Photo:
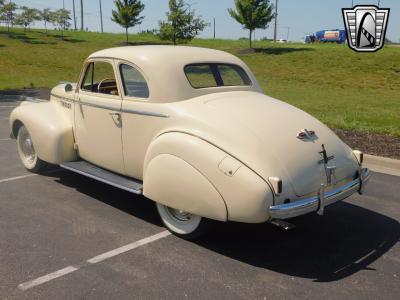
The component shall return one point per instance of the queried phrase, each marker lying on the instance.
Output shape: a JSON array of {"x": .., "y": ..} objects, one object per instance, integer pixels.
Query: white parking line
[
  {"x": 128, "y": 247},
  {"x": 2, "y": 140},
  {"x": 48, "y": 277},
  {"x": 30, "y": 175},
  {"x": 17, "y": 178},
  {"x": 8, "y": 106},
  {"x": 38, "y": 281}
]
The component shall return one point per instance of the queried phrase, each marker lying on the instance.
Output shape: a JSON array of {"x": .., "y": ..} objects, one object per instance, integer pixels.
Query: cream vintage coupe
[{"x": 190, "y": 129}]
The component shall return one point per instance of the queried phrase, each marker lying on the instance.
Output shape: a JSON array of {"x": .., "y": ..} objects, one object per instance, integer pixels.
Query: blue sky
[{"x": 298, "y": 18}]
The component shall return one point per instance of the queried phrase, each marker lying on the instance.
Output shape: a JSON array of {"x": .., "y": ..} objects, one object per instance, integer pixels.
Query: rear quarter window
[{"x": 133, "y": 82}]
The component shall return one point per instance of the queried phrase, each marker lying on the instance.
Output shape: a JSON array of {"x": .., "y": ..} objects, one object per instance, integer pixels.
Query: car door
[
  {"x": 142, "y": 119},
  {"x": 98, "y": 122}
]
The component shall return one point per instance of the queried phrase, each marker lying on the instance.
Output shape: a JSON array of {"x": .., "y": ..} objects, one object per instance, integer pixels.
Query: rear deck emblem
[
  {"x": 306, "y": 134},
  {"x": 366, "y": 27}
]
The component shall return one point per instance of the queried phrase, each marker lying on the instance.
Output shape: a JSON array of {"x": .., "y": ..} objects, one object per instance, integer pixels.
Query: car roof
[
  {"x": 158, "y": 53},
  {"x": 163, "y": 68}
]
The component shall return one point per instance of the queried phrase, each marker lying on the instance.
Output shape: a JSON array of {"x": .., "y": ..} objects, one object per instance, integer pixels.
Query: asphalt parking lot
[{"x": 64, "y": 236}]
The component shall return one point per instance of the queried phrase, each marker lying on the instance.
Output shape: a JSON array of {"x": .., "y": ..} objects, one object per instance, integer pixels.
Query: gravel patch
[{"x": 371, "y": 143}]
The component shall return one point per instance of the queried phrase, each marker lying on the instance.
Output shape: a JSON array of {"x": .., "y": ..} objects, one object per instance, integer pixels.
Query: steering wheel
[{"x": 99, "y": 87}]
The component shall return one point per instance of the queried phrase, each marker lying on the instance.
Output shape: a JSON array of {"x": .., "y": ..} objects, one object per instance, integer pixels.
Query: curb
[
  {"x": 382, "y": 164},
  {"x": 11, "y": 97}
]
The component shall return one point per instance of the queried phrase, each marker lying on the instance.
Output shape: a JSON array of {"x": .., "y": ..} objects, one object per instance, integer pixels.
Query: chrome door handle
[{"x": 117, "y": 115}]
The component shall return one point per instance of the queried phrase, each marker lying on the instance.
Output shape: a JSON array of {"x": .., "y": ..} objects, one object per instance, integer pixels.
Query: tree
[
  {"x": 60, "y": 19},
  {"x": 46, "y": 16},
  {"x": 2, "y": 19},
  {"x": 27, "y": 17},
  {"x": 7, "y": 13},
  {"x": 182, "y": 25},
  {"x": 127, "y": 14},
  {"x": 252, "y": 14}
]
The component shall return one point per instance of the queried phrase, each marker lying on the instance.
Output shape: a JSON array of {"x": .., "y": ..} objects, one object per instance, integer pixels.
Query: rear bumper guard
[{"x": 323, "y": 199}]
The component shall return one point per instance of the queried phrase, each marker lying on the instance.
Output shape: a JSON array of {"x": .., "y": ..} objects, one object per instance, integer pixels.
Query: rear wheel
[
  {"x": 183, "y": 224},
  {"x": 27, "y": 152}
]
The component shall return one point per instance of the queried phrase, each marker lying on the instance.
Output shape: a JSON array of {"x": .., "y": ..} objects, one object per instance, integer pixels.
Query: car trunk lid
[{"x": 276, "y": 125}]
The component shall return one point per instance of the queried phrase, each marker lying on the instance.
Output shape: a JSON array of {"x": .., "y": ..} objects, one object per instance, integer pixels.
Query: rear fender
[
  {"x": 185, "y": 172},
  {"x": 172, "y": 181}
]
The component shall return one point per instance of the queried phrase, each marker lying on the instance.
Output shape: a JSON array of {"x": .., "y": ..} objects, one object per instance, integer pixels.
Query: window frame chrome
[
  {"x": 86, "y": 64},
  {"x": 213, "y": 65},
  {"x": 118, "y": 63}
]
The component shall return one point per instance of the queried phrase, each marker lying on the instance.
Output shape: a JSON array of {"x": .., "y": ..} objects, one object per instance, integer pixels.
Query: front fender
[
  {"x": 51, "y": 131},
  {"x": 188, "y": 173}
]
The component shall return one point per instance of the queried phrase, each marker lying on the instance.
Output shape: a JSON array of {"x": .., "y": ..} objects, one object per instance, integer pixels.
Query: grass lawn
[{"x": 344, "y": 89}]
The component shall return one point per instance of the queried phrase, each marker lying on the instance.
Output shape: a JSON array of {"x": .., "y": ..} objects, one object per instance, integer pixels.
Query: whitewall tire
[
  {"x": 181, "y": 223},
  {"x": 27, "y": 153}
]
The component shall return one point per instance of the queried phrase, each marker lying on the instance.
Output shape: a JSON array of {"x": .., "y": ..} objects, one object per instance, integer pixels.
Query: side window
[
  {"x": 100, "y": 78},
  {"x": 134, "y": 83},
  {"x": 200, "y": 76}
]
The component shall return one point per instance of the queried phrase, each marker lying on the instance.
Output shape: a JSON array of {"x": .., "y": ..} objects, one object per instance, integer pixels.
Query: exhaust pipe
[{"x": 283, "y": 224}]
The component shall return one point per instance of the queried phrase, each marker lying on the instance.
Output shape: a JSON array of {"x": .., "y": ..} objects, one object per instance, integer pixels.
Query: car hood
[{"x": 261, "y": 132}]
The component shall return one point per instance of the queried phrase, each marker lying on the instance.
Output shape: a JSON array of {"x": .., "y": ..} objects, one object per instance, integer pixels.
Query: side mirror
[{"x": 68, "y": 87}]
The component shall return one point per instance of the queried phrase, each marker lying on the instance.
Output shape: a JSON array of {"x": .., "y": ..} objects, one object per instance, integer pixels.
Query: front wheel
[
  {"x": 27, "y": 152},
  {"x": 181, "y": 223}
]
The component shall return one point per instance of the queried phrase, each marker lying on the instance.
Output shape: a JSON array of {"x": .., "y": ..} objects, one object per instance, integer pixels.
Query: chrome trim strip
[
  {"x": 87, "y": 104},
  {"x": 145, "y": 113},
  {"x": 63, "y": 98},
  {"x": 99, "y": 106},
  {"x": 313, "y": 204},
  {"x": 137, "y": 192},
  {"x": 126, "y": 110}
]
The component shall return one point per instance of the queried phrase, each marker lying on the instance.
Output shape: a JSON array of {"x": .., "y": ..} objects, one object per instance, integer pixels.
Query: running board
[{"x": 87, "y": 169}]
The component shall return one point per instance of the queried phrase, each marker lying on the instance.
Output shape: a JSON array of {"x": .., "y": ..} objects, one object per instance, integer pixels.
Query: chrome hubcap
[
  {"x": 179, "y": 214},
  {"x": 26, "y": 146}
]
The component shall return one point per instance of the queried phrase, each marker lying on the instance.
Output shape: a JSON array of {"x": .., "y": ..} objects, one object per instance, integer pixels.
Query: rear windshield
[{"x": 208, "y": 75}]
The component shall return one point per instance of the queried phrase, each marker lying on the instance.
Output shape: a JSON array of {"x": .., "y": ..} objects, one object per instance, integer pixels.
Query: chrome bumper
[{"x": 317, "y": 203}]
